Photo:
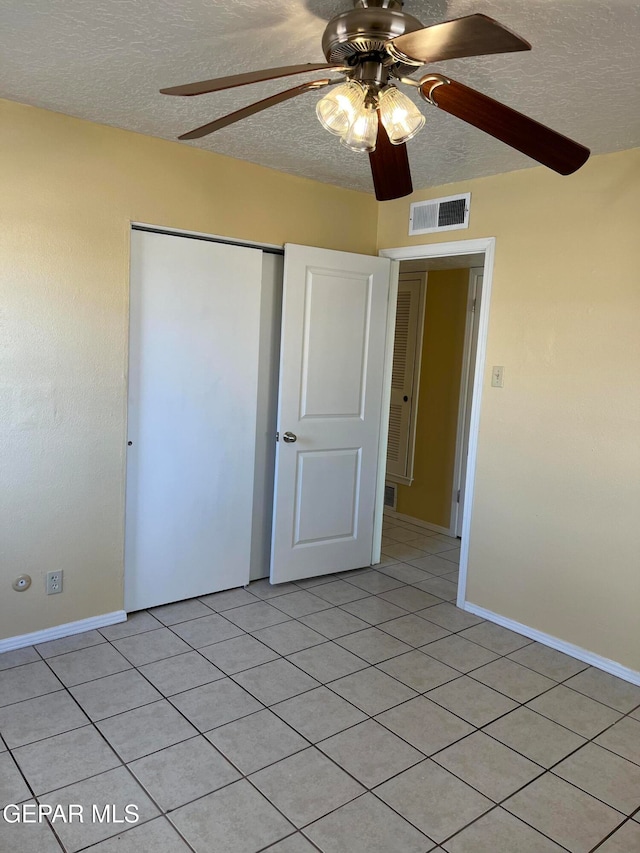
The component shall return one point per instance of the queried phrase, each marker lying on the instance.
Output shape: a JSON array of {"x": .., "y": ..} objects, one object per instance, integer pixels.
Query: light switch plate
[{"x": 497, "y": 376}]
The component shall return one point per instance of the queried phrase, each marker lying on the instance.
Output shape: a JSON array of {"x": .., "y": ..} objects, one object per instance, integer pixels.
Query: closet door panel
[{"x": 193, "y": 392}]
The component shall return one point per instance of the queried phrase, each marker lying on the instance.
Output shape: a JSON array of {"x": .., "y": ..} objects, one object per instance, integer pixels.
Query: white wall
[{"x": 69, "y": 191}]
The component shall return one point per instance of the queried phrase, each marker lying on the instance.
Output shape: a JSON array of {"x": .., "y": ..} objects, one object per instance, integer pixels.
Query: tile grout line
[
  {"x": 162, "y": 812},
  {"x": 520, "y": 704},
  {"x": 166, "y": 814},
  {"x": 129, "y": 772},
  {"x": 613, "y": 832},
  {"x": 370, "y": 717},
  {"x": 368, "y": 665},
  {"x": 311, "y": 745}
]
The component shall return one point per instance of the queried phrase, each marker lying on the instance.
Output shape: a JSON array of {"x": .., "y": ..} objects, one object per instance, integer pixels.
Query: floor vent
[
  {"x": 440, "y": 214},
  {"x": 390, "y": 495}
]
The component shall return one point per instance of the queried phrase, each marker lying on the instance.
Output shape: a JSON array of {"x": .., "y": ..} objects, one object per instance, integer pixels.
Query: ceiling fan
[{"x": 375, "y": 46}]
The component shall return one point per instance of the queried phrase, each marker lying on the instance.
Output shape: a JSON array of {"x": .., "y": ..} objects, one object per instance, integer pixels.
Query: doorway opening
[{"x": 435, "y": 382}]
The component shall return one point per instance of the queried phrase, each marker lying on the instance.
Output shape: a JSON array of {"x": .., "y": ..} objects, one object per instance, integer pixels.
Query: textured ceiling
[{"x": 105, "y": 60}]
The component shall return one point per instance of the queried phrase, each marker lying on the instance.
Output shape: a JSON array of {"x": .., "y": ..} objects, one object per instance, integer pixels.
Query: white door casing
[
  {"x": 193, "y": 373},
  {"x": 476, "y": 275},
  {"x": 334, "y": 328},
  {"x": 485, "y": 246}
]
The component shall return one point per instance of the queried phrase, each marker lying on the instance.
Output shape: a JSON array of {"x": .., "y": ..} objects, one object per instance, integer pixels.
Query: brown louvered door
[{"x": 403, "y": 385}]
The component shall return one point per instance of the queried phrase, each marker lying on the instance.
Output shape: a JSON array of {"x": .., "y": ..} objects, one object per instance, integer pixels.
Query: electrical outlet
[{"x": 54, "y": 582}]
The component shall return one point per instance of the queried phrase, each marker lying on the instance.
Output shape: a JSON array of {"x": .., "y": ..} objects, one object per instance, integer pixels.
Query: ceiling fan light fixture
[
  {"x": 377, "y": 42},
  {"x": 339, "y": 109},
  {"x": 401, "y": 118},
  {"x": 362, "y": 134}
]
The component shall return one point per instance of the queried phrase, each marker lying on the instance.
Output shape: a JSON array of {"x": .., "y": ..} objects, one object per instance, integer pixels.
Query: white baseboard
[
  {"x": 418, "y": 522},
  {"x": 598, "y": 661},
  {"x": 62, "y": 630}
]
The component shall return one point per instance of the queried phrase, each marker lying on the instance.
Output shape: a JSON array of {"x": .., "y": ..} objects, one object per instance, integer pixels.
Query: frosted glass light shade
[
  {"x": 337, "y": 110},
  {"x": 362, "y": 134},
  {"x": 400, "y": 116}
]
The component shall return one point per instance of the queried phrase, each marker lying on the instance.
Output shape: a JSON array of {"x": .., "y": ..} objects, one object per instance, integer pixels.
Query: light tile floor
[{"x": 353, "y": 713}]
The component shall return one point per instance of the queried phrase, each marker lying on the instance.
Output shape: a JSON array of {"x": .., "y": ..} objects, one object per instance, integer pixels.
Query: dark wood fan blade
[
  {"x": 473, "y": 35},
  {"x": 257, "y": 107},
  {"x": 390, "y": 168},
  {"x": 219, "y": 83},
  {"x": 552, "y": 149}
]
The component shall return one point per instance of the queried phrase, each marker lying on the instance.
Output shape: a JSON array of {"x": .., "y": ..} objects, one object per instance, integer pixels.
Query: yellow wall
[
  {"x": 69, "y": 190},
  {"x": 429, "y": 495},
  {"x": 555, "y": 538}
]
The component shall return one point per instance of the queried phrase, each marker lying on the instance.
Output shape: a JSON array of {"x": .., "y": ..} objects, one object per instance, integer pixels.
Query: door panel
[
  {"x": 322, "y": 473},
  {"x": 332, "y": 354},
  {"x": 193, "y": 380}
]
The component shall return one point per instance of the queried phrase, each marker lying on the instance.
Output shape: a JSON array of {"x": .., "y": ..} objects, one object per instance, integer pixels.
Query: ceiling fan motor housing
[{"x": 361, "y": 34}]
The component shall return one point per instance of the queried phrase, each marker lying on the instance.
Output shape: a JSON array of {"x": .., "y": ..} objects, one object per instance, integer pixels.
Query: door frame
[
  {"x": 474, "y": 297},
  {"x": 135, "y": 225},
  {"x": 486, "y": 246}
]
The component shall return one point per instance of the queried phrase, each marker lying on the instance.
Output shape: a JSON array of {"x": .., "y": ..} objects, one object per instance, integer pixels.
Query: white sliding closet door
[{"x": 193, "y": 376}]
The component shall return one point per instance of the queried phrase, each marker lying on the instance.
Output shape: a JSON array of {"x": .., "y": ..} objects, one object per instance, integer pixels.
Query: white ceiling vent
[{"x": 440, "y": 214}]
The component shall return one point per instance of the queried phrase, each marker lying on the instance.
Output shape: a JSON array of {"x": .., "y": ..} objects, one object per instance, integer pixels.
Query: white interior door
[
  {"x": 334, "y": 322},
  {"x": 193, "y": 373}
]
